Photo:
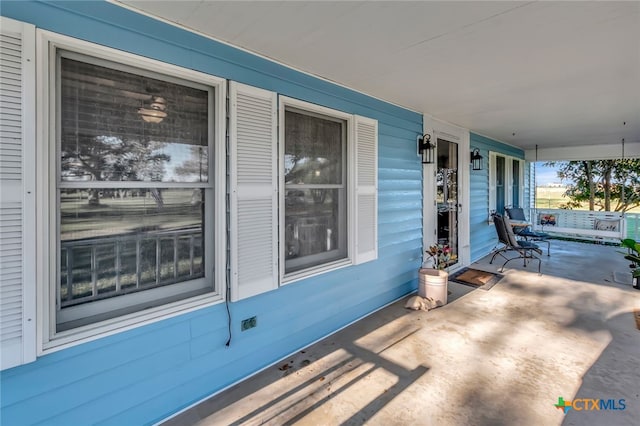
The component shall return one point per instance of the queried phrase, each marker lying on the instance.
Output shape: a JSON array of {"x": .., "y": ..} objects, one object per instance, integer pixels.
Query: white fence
[{"x": 592, "y": 225}]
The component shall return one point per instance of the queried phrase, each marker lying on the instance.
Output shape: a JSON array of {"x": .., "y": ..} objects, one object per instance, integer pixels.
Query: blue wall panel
[
  {"x": 145, "y": 374},
  {"x": 483, "y": 235}
]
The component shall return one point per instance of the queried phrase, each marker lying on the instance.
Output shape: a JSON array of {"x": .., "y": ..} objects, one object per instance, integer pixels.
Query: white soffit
[{"x": 557, "y": 74}]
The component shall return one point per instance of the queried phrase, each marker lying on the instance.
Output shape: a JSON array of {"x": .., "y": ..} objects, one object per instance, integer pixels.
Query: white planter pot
[{"x": 433, "y": 284}]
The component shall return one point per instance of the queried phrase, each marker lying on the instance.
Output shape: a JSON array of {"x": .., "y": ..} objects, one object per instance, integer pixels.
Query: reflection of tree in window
[
  {"x": 117, "y": 237},
  {"x": 315, "y": 190},
  {"x": 194, "y": 169},
  {"x": 103, "y": 137}
]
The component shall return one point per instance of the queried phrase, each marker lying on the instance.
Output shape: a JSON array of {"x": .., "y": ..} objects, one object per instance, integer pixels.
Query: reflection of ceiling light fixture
[{"x": 156, "y": 111}]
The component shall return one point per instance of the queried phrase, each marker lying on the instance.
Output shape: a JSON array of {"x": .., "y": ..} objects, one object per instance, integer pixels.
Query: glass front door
[{"x": 447, "y": 203}]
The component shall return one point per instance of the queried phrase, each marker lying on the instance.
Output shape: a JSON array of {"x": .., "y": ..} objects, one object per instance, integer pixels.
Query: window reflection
[
  {"x": 313, "y": 149},
  {"x": 313, "y": 224},
  {"x": 136, "y": 238},
  {"x": 134, "y": 161},
  {"x": 315, "y": 193},
  {"x": 103, "y": 137}
]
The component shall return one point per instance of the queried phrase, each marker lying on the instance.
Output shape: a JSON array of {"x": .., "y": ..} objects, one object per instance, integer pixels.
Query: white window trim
[
  {"x": 47, "y": 250},
  {"x": 508, "y": 179},
  {"x": 284, "y": 102}
]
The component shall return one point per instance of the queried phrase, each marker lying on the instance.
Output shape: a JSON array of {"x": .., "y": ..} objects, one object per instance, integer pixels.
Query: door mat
[{"x": 476, "y": 278}]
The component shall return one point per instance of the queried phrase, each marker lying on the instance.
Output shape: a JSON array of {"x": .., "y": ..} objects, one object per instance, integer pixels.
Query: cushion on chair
[
  {"x": 510, "y": 235},
  {"x": 516, "y": 213},
  {"x": 526, "y": 232}
]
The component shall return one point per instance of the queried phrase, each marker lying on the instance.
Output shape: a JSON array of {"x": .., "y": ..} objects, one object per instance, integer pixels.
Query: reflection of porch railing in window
[
  {"x": 94, "y": 269},
  {"x": 310, "y": 234}
]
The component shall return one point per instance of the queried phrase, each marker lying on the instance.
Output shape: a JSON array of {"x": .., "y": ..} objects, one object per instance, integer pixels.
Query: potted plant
[
  {"x": 441, "y": 256},
  {"x": 433, "y": 281},
  {"x": 633, "y": 254}
]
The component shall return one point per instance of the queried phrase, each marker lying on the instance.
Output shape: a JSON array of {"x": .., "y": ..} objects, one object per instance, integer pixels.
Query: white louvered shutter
[
  {"x": 254, "y": 191},
  {"x": 530, "y": 202},
  {"x": 17, "y": 193},
  {"x": 492, "y": 182},
  {"x": 366, "y": 185},
  {"x": 523, "y": 184},
  {"x": 508, "y": 182}
]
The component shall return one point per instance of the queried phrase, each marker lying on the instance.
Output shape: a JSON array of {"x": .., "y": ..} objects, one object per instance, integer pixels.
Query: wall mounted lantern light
[
  {"x": 156, "y": 111},
  {"x": 476, "y": 159},
  {"x": 426, "y": 148}
]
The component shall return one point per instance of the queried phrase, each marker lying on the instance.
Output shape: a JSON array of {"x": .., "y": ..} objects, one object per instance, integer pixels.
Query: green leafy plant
[{"x": 633, "y": 255}]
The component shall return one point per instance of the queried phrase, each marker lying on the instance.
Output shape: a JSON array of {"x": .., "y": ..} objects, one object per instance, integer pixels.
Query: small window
[
  {"x": 315, "y": 185},
  {"x": 134, "y": 188}
]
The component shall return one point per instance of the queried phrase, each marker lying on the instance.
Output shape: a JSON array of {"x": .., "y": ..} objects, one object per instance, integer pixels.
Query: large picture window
[
  {"x": 315, "y": 183},
  {"x": 134, "y": 186}
]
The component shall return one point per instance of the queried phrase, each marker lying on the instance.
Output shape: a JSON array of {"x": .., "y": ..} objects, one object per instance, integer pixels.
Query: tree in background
[
  {"x": 113, "y": 159},
  {"x": 609, "y": 185},
  {"x": 195, "y": 169}
]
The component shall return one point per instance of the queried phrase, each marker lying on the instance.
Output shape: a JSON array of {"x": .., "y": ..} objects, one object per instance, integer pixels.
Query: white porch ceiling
[{"x": 557, "y": 74}]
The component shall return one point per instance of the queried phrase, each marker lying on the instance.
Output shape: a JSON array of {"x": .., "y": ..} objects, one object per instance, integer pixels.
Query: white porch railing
[{"x": 592, "y": 225}]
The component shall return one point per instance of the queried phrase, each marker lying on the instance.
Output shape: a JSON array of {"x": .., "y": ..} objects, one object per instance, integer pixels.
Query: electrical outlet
[{"x": 248, "y": 323}]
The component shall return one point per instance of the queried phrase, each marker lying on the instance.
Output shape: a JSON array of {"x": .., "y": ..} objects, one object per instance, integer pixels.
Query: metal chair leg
[{"x": 498, "y": 252}]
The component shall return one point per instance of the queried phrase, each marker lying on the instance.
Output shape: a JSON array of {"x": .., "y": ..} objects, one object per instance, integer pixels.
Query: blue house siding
[
  {"x": 145, "y": 374},
  {"x": 482, "y": 234}
]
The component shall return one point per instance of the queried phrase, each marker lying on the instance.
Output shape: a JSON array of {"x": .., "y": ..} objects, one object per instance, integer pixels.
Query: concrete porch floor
[{"x": 496, "y": 357}]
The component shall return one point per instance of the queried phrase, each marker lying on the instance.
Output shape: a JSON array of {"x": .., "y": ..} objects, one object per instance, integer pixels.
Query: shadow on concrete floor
[{"x": 497, "y": 357}]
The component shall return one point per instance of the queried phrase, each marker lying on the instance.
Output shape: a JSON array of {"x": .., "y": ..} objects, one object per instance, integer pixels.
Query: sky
[{"x": 546, "y": 175}]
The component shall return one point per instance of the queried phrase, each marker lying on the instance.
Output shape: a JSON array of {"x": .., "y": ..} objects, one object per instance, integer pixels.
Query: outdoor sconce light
[
  {"x": 156, "y": 111},
  {"x": 476, "y": 159},
  {"x": 426, "y": 148}
]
